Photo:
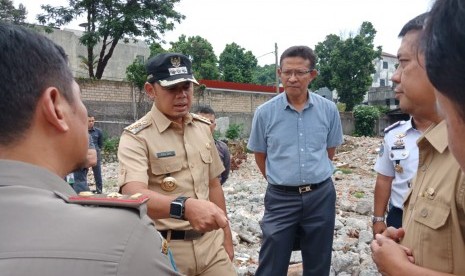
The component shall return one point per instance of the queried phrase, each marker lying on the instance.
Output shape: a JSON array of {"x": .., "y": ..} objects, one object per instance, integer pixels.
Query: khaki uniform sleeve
[{"x": 133, "y": 159}]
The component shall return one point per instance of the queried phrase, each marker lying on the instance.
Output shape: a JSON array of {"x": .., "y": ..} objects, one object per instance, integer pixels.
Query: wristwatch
[
  {"x": 177, "y": 207},
  {"x": 376, "y": 219}
]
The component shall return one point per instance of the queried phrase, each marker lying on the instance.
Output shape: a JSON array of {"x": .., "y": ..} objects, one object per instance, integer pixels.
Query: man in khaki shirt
[
  {"x": 170, "y": 156},
  {"x": 433, "y": 241},
  {"x": 46, "y": 229}
]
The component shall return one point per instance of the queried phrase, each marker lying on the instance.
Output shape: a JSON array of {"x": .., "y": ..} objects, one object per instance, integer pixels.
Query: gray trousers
[{"x": 312, "y": 215}]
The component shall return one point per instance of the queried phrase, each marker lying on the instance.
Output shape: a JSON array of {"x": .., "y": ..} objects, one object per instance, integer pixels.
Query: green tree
[
  {"x": 200, "y": 52},
  {"x": 9, "y": 13},
  {"x": 324, "y": 50},
  {"x": 265, "y": 75},
  {"x": 155, "y": 49},
  {"x": 347, "y": 65},
  {"x": 111, "y": 21},
  {"x": 236, "y": 64},
  {"x": 137, "y": 76}
]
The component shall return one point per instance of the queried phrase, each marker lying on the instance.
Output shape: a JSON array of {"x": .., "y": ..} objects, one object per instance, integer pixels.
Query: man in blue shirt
[{"x": 294, "y": 138}]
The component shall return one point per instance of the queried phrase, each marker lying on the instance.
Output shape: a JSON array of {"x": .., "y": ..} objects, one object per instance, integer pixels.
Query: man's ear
[
  {"x": 53, "y": 107},
  {"x": 313, "y": 74},
  {"x": 150, "y": 90}
]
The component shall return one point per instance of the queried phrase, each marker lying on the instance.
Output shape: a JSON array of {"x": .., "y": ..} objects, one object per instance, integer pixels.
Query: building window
[
  {"x": 385, "y": 65},
  {"x": 382, "y": 82}
]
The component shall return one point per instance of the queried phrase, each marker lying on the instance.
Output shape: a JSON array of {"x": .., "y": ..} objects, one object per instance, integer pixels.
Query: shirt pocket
[
  {"x": 434, "y": 235},
  {"x": 164, "y": 166},
  {"x": 316, "y": 137},
  {"x": 206, "y": 156}
]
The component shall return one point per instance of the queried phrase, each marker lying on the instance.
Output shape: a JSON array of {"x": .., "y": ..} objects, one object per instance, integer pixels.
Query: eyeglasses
[{"x": 297, "y": 73}]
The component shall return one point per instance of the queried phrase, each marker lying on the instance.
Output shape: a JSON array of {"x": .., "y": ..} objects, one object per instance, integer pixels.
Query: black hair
[
  {"x": 304, "y": 52},
  {"x": 30, "y": 63},
  {"x": 444, "y": 43},
  {"x": 205, "y": 109},
  {"x": 415, "y": 24}
]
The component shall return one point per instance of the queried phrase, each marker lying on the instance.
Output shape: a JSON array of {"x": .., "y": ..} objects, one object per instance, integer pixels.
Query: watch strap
[{"x": 375, "y": 219}]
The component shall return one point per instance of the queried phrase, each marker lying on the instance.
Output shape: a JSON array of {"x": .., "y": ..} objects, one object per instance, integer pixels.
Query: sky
[{"x": 256, "y": 25}]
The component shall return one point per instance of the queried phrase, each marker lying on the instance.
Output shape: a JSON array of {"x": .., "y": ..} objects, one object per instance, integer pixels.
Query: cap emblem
[{"x": 176, "y": 61}]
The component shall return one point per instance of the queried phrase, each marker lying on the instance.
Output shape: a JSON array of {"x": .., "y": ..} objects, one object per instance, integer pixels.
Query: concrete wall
[{"x": 123, "y": 55}]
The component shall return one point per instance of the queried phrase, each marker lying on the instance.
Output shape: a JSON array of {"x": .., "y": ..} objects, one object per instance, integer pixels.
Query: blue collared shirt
[{"x": 295, "y": 142}]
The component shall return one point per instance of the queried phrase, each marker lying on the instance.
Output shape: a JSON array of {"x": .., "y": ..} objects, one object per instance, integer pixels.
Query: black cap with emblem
[{"x": 169, "y": 69}]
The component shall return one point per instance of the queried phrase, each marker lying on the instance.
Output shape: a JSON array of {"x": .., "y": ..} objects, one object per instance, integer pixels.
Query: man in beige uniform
[
  {"x": 45, "y": 228},
  {"x": 170, "y": 156},
  {"x": 434, "y": 209}
]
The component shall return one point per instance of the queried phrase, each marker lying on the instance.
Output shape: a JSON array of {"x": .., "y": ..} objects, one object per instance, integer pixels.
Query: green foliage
[
  {"x": 136, "y": 74},
  {"x": 237, "y": 65},
  {"x": 234, "y": 131},
  {"x": 201, "y": 53},
  {"x": 216, "y": 134},
  {"x": 358, "y": 194},
  {"x": 265, "y": 75},
  {"x": 155, "y": 49},
  {"x": 324, "y": 64},
  {"x": 341, "y": 107},
  {"x": 9, "y": 13},
  {"x": 344, "y": 170},
  {"x": 382, "y": 109},
  {"x": 365, "y": 119},
  {"x": 347, "y": 65},
  {"x": 111, "y": 21},
  {"x": 110, "y": 145}
]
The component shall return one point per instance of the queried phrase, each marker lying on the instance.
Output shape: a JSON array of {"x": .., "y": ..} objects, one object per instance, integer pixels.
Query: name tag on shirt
[{"x": 165, "y": 154}]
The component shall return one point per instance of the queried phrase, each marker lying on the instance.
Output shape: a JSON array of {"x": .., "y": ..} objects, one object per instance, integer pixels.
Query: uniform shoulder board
[
  {"x": 136, "y": 201},
  {"x": 138, "y": 126},
  {"x": 201, "y": 118},
  {"x": 393, "y": 126}
]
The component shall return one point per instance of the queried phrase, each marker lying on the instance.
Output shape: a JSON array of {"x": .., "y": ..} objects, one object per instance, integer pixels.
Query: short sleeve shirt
[
  {"x": 434, "y": 209},
  {"x": 399, "y": 150},
  {"x": 161, "y": 149},
  {"x": 295, "y": 142}
]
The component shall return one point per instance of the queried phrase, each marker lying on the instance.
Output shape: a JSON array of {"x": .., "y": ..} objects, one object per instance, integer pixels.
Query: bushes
[
  {"x": 110, "y": 145},
  {"x": 365, "y": 118},
  {"x": 234, "y": 131}
]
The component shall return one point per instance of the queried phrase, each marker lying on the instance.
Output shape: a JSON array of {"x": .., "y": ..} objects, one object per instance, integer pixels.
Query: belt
[
  {"x": 188, "y": 235},
  {"x": 300, "y": 189}
]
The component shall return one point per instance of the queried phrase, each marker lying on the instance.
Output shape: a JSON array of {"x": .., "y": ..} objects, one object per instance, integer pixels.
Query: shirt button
[
  {"x": 303, "y": 165},
  {"x": 191, "y": 165},
  {"x": 301, "y": 149},
  {"x": 424, "y": 213}
]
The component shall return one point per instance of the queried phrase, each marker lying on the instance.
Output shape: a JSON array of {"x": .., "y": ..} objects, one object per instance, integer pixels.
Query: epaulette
[
  {"x": 138, "y": 126},
  {"x": 393, "y": 126},
  {"x": 136, "y": 201},
  {"x": 201, "y": 118}
]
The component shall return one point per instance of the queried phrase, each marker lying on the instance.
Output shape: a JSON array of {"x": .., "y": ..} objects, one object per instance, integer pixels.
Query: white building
[
  {"x": 123, "y": 55},
  {"x": 385, "y": 67}
]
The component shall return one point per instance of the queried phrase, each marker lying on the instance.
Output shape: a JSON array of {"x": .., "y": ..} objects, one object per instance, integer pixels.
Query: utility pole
[{"x": 276, "y": 66}]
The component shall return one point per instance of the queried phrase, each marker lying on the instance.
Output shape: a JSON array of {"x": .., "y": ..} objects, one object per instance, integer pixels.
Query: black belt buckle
[{"x": 304, "y": 189}]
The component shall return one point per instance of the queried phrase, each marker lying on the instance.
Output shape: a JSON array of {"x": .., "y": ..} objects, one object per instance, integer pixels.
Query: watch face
[{"x": 176, "y": 210}]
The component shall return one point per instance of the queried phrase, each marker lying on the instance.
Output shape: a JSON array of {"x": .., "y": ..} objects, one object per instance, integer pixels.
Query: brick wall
[{"x": 111, "y": 102}]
